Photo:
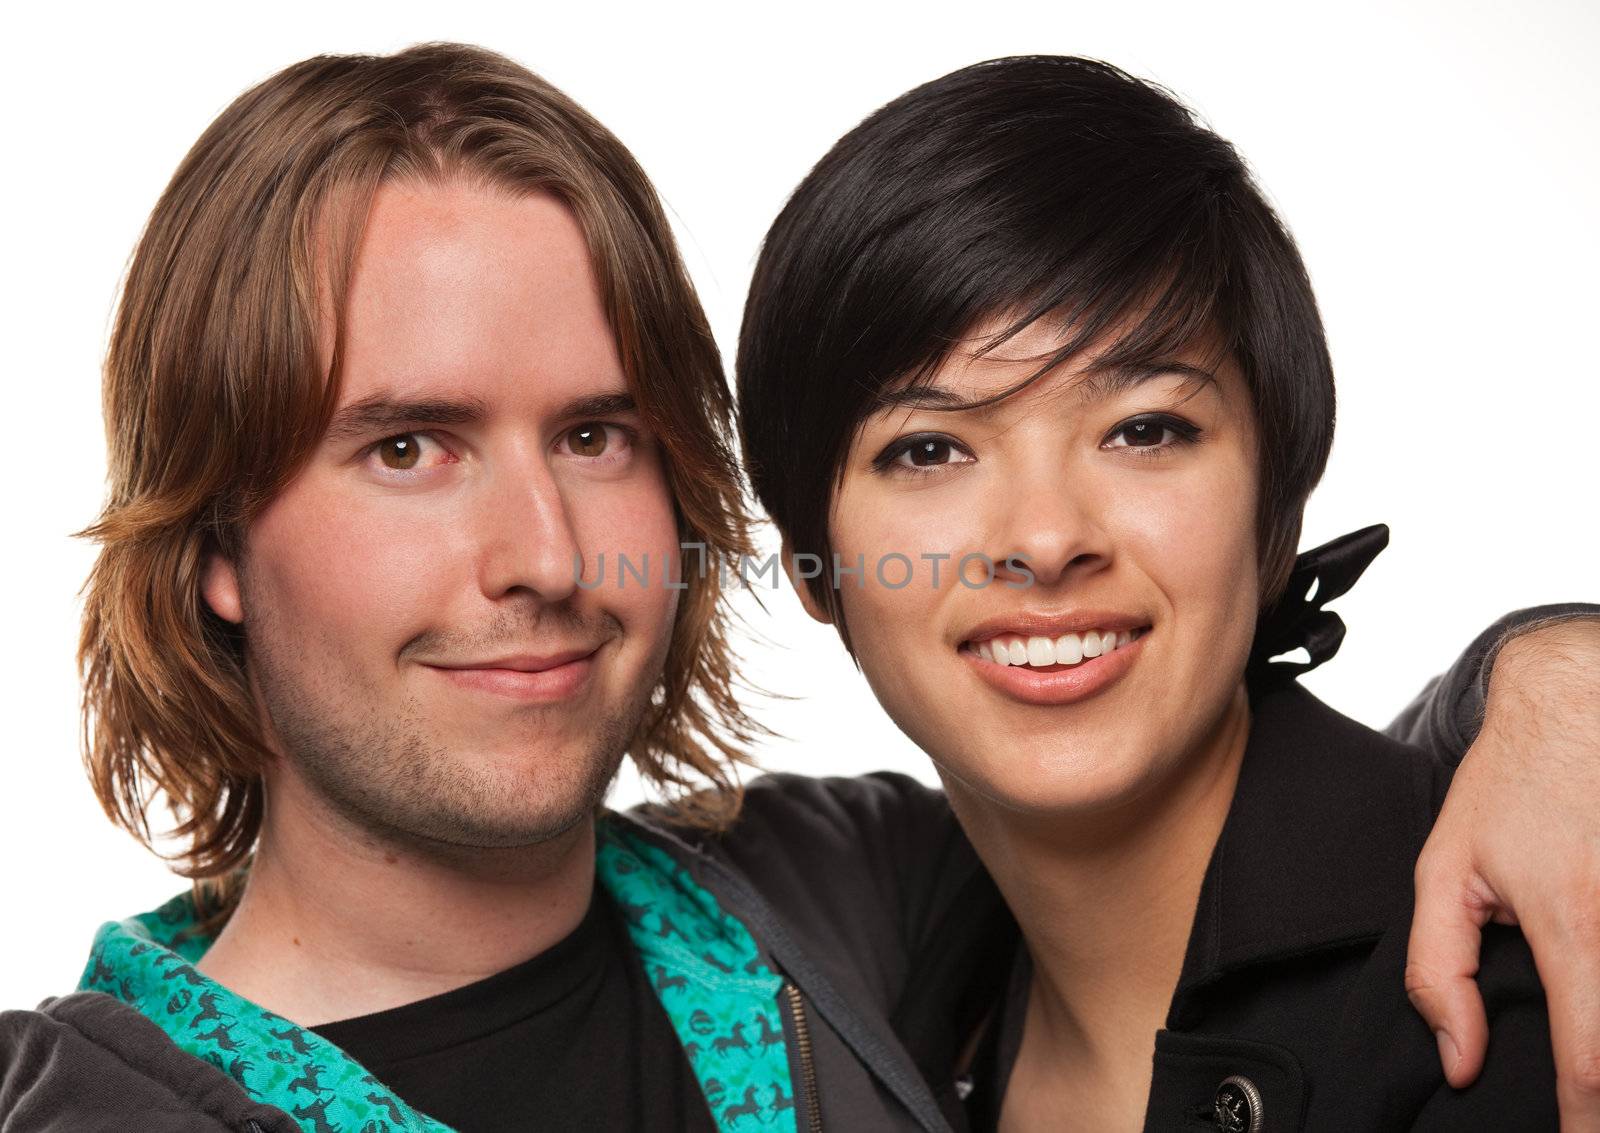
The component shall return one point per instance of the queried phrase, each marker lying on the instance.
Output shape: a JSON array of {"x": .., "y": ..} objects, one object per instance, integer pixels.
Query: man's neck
[
  {"x": 1106, "y": 905},
  {"x": 336, "y": 922}
]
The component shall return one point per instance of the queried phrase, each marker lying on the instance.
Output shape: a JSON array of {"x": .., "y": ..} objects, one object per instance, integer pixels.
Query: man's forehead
[{"x": 475, "y": 298}]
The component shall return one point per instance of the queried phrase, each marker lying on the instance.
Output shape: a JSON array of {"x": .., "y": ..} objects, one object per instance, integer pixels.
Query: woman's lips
[{"x": 1058, "y": 684}]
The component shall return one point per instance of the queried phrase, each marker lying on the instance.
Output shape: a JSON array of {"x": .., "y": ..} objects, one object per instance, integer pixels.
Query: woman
[{"x": 1033, "y": 325}]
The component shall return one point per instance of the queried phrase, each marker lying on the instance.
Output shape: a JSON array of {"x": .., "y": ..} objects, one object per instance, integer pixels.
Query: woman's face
[{"x": 1129, "y": 498}]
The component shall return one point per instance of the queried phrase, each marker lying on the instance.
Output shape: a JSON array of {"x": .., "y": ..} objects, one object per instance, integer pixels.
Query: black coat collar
[{"x": 1319, "y": 843}]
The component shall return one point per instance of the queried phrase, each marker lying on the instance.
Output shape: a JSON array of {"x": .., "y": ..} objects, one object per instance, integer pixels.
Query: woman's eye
[
  {"x": 920, "y": 453},
  {"x": 404, "y": 451},
  {"x": 594, "y": 439},
  {"x": 1151, "y": 433},
  {"x": 1141, "y": 434}
]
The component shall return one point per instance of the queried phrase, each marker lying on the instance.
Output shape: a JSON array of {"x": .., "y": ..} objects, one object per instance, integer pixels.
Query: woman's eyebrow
[
  {"x": 921, "y": 397},
  {"x": 1099, "y": 383},
  {"x": 1104, "y": 382}
]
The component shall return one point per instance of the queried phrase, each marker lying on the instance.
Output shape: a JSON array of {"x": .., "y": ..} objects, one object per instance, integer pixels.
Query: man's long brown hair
[{"x": 222, "y": 373}]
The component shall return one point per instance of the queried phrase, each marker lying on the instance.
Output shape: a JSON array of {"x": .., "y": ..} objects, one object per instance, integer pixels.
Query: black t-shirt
[{"x": 572, "y": 1039}]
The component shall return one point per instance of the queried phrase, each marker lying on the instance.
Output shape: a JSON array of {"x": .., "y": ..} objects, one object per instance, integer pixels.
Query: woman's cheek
[
  {"x": 1192, "y": 535},
  {"x": 885, "y": 582}
]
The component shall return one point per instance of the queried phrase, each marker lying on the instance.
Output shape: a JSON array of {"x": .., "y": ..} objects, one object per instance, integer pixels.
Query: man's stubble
[{"x": 392, "y": 775}]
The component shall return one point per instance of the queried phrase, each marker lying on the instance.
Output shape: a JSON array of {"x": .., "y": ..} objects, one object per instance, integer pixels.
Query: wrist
[
  {"x": 1572, "y": 641},
  {"x": 1558, "y": 657}
]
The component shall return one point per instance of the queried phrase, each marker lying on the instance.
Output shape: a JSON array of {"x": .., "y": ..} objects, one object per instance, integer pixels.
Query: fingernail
[{"x": 1448, "y": 1054}]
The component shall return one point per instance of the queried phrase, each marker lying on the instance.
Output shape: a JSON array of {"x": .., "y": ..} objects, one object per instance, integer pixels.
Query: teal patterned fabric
[
  {"x": 143, "y": 962},
  {"x": 706, "y": 970},
  {"x": 703, "y": 964}
]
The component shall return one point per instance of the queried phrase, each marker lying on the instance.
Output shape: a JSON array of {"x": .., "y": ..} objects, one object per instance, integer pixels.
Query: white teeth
[{"x": 1042, "y": 652}]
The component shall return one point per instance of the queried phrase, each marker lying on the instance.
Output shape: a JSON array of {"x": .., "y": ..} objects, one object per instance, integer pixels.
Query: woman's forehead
[{"x": 998, "y": 361}]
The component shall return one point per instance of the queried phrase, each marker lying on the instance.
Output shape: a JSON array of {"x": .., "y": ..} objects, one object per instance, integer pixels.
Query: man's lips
[
  {"x": 523, "y": 662},
  {"x": 529, "y": 677}
]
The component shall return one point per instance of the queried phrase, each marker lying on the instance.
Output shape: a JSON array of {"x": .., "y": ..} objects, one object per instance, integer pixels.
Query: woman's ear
[
  {"x": 799, "y": 579},
  {"x": 219, "y": 586}
]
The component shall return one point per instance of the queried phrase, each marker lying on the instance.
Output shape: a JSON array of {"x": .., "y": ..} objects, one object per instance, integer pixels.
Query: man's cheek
[
  {"x": 335, "y": 575},
  {"x": 634, "y": 525}
]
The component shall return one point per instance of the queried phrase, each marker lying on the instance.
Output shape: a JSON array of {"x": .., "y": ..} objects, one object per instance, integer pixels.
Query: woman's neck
[{"x": 1106, "y": 903}]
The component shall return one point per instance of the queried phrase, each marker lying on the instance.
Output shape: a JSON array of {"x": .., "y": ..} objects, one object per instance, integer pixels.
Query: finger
[
  {"x": 1565, "y": 942},
  {"x": 1441, "y": 963}
]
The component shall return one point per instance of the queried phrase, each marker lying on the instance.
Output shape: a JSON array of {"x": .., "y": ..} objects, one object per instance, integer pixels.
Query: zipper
[
  {"x": 808, "y": 1071},
  {"x": 739, "y": 899}
]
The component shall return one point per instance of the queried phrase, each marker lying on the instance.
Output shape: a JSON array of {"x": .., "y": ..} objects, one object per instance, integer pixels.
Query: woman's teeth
[{"x": 1040, "y": 652}]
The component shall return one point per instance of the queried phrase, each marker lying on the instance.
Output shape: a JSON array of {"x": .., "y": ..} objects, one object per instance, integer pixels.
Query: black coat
[{"x": 1291, "y": 1012}]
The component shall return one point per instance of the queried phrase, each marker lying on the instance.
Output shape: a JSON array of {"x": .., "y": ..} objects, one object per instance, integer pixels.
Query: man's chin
[
  {"x": 507, "y": 831},
  {"x": 432, "y": 785},
  {"x": 496, "y": 811},
  {"x": 438, "y": 808}
]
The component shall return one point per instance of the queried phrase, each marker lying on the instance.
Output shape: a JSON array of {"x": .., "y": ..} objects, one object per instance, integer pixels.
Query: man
[{"x": 405, "y": 349}]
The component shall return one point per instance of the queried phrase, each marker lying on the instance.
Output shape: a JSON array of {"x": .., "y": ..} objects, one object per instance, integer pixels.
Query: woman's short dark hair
[{"x": 1021, "y": 188}]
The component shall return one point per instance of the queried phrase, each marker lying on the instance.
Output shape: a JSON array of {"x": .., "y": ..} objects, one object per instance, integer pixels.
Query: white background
[{"x": 1437, "y": 163}]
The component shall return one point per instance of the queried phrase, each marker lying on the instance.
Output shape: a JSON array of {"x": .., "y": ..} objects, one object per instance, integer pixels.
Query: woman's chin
[
  {"x": 1082, "y": 780},
  {"x": 1097, "y": 781}
]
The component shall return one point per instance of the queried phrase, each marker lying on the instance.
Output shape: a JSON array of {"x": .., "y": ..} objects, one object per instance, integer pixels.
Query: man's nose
[{"x": 526, "y": 536}]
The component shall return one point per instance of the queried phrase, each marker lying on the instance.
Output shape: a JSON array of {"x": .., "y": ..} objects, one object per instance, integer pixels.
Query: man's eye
[
  {"x": 401, "y": 453},
  {"x": 920, "y": 453},
  {"x": 594, "y": 439},
  {"x": 587, "y": 440}
]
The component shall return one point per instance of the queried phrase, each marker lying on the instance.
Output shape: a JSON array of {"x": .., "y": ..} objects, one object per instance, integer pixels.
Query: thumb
[{"x": 1441, "y": 963}]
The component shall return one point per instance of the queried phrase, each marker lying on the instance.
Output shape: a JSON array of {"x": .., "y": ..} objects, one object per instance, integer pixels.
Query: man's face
[{"x": 427, "y": 664}]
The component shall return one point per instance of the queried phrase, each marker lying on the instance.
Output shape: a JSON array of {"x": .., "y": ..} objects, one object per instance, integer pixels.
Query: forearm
[
  {"x": 1447, "y": 715},
  {"x": 1544, "y": 691}
]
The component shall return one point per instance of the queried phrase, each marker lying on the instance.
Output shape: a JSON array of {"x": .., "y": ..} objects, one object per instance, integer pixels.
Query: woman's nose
[{"x": 1052, "y": 528}]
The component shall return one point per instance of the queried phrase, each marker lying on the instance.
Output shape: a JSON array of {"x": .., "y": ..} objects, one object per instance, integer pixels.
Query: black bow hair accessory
[{"x": 1297, "y": 619}]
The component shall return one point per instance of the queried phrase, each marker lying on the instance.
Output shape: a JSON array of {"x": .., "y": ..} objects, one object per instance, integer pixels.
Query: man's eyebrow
[
  {"x": 382, "y": 413},
  {"x": 600, "y": 405}
]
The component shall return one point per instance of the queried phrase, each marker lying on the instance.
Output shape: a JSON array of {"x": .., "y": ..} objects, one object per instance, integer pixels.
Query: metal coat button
[{"x": 1237, "y": 1106}]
